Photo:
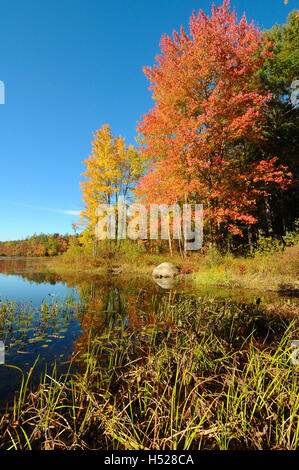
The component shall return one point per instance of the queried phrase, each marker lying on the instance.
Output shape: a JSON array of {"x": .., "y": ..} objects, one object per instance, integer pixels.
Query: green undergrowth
[
  {"x": 270, "y": 271},
  {"x": 271, "y": 266}
]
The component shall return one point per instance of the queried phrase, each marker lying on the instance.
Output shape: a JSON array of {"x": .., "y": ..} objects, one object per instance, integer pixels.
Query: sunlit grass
[
  {"x": 260, "y": 270},
  {"x": 273, "y": 271}
]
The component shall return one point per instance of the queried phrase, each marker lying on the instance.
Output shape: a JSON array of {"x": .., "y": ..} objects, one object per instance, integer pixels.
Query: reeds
[{"x": 197, "y": 374}]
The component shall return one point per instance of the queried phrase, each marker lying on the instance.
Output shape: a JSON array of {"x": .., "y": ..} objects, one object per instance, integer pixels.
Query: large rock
[
  {"x": 165, "y": 270},
  {"x": 166, "y": 282}
]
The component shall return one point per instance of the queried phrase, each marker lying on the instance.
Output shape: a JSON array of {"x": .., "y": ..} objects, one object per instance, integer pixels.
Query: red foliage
[{"x": 209, "y": 105}]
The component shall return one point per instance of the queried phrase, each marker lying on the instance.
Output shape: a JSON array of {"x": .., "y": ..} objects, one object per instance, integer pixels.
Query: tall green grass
[
  {"x": 264, "y": 270},
  {"x": 195, "y": 374}
]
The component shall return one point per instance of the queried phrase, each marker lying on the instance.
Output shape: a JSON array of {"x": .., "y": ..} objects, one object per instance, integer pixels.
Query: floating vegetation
[
  {"x": 23, "y": 325},
  {"x": 195, "y": 374}
]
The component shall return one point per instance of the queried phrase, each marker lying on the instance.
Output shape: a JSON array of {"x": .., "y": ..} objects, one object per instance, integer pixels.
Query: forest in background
[
  {"x": 223, "y": 132},
  {"x": 37, "y": 245}
]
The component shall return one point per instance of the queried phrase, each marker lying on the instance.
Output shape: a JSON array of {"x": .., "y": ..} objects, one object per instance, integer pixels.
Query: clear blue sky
[{"x": 70, "y": 66}]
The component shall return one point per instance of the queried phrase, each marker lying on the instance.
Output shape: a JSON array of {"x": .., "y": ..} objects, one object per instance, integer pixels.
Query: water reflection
[{"x": 51, "y": 316}]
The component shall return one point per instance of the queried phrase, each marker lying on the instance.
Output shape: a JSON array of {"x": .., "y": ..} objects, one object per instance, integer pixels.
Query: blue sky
[{"x": 70, "y": 66}]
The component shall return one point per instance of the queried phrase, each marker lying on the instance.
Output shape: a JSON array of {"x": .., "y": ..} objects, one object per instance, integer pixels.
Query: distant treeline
[{"x": 37, "y": 245}]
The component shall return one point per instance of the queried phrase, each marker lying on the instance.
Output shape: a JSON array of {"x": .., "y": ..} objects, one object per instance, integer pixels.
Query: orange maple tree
[{"x": 209, "y": 109}]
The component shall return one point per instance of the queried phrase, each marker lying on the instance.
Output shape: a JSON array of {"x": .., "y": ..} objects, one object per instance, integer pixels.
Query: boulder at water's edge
[{"x": 165, "y": 270}]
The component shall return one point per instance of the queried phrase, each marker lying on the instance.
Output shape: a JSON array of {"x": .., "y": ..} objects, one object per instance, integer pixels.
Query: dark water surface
[{"x": 48, "y": 316}]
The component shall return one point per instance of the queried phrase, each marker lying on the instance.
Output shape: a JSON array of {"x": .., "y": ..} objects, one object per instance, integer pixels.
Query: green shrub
[
  {"x": 267, "y": 246},
  {"x": 212, "y": 257},
  {"x": 292, "y": 238}
]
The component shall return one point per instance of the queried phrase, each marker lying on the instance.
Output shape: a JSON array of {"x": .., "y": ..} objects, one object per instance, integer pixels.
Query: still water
[{"x": 48, "y": 317}]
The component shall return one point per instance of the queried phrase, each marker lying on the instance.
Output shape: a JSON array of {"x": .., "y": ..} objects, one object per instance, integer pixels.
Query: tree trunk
[
  {"x": 268, "y": 216},
  {"x": 181, "y": 242},
  {"x": 169, "y": 241},
  {"x": 283, "y": 220},
  {"x": 92, "y": 291},
  {"x": 250, "y": 238},
  {"x": 94, "y": 247}
]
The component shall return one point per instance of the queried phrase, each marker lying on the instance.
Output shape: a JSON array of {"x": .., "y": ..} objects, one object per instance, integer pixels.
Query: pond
[{"x": 48, "y": 317}]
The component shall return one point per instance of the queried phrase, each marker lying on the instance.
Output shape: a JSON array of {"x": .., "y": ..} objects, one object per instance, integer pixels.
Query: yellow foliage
[{"x": 112, "y": 170}]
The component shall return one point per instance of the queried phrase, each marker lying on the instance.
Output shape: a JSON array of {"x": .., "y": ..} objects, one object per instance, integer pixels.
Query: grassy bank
[
  {"x": 271, "y": 267},
  {"x": 277, "y": 271},
  {"x": 195, "y": 374},
  {"x": 132, "y": 258}
]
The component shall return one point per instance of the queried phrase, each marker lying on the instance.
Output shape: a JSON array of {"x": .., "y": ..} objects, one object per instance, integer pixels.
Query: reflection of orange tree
[
  {"x": 9, "y": 265},
  {"x": 28, "y": 270},
  {"x": 98, "y": 301},
  {"x": 92, "y": 320},
  {"x": 112, "y": 308}
]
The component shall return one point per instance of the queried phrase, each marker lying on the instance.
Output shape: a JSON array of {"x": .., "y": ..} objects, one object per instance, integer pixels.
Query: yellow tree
[{"x": 112, "y": 171}]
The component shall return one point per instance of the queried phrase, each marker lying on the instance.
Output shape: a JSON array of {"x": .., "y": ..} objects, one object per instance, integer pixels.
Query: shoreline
[
  {"x": 290, "y": 288},
  {"x": 202, "y": 276}
]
